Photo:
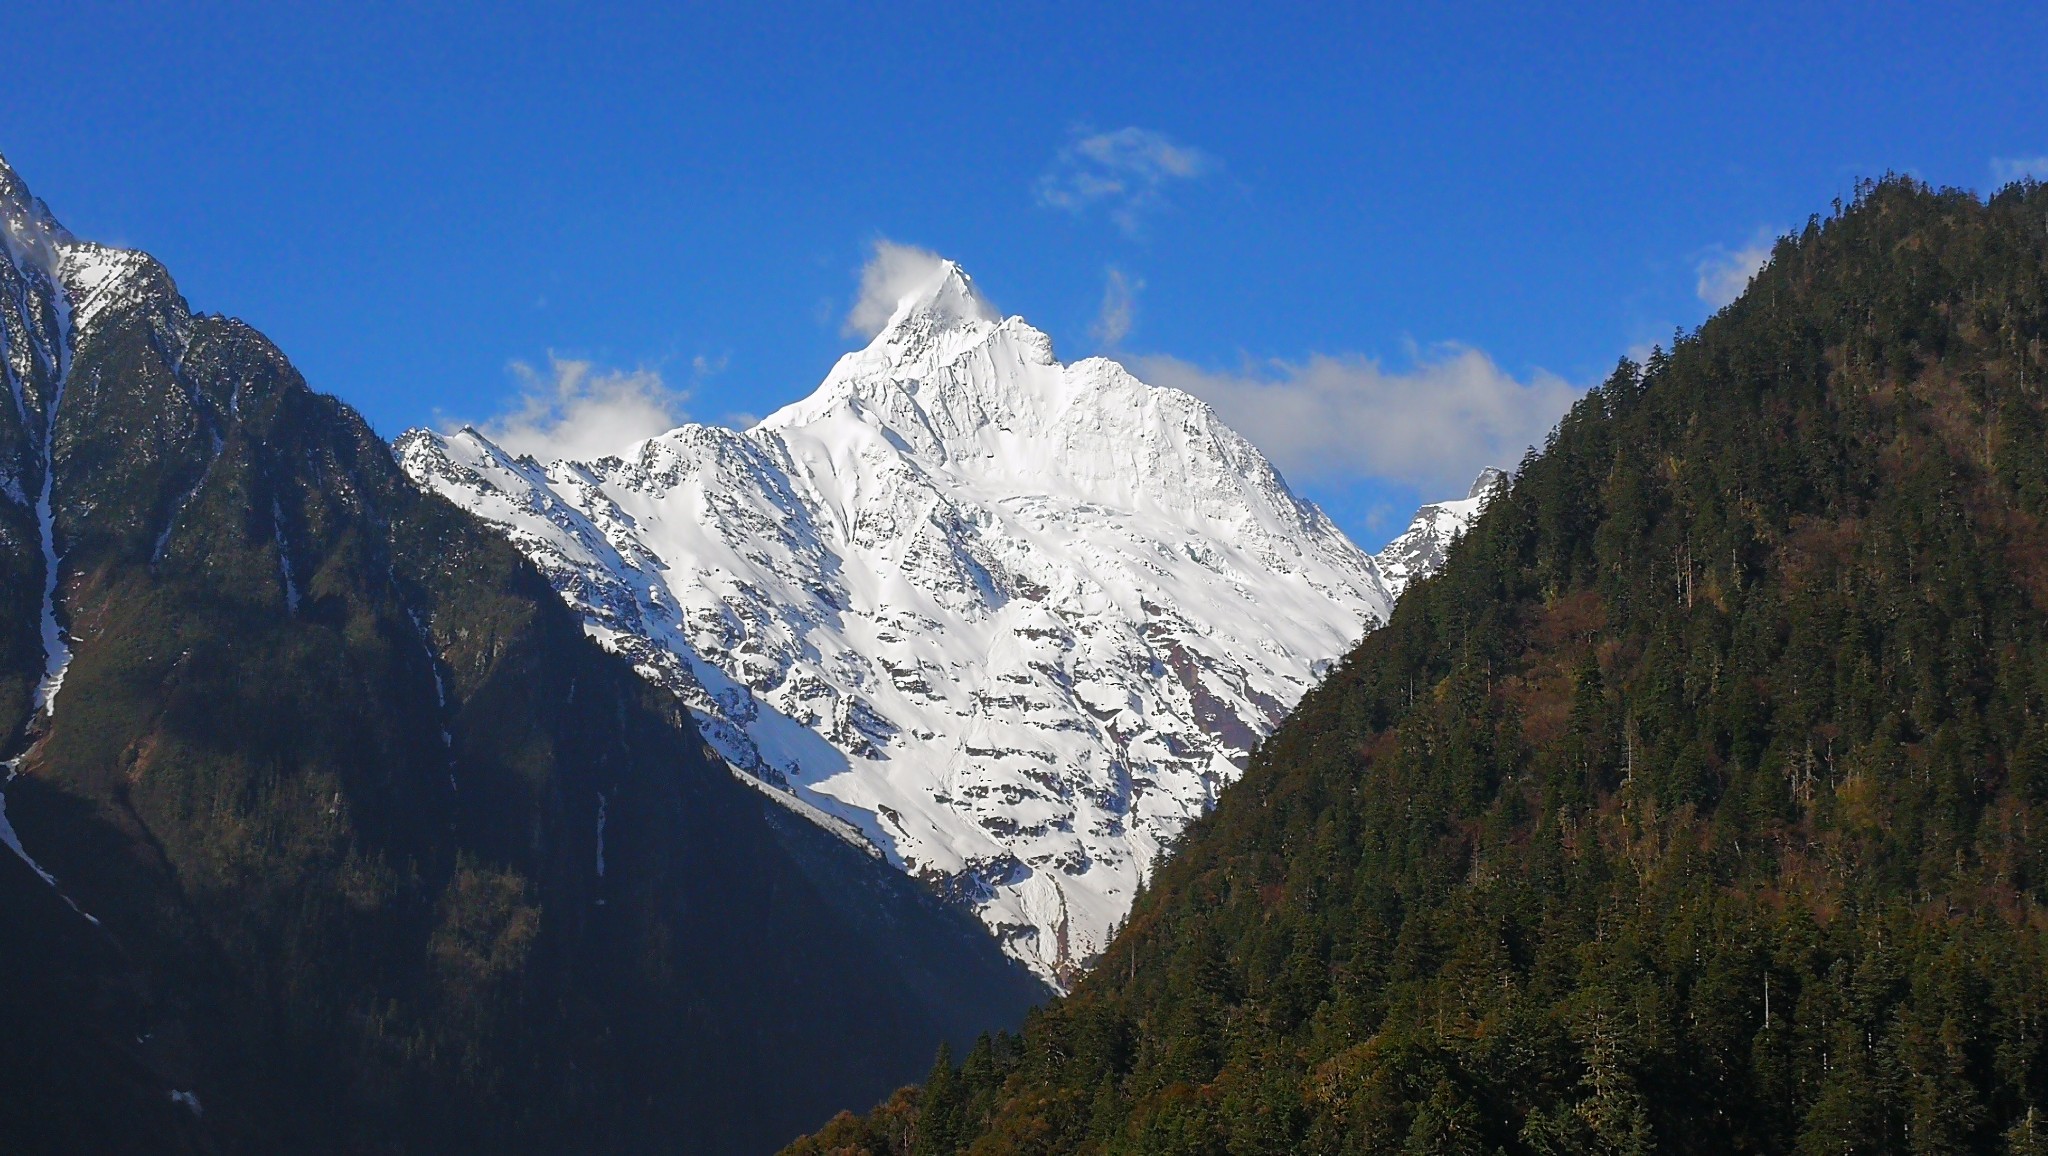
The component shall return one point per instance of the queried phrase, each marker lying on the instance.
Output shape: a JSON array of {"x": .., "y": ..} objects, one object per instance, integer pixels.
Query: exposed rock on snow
[
  {"x": 1419, "y": 551},
  {"x": 1011, "y": 621}
]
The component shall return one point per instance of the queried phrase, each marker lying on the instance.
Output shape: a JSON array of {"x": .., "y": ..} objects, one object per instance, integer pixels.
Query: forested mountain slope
[
  {"x": 1698, "y": 805},
  {"x": 329, "y": 831}
]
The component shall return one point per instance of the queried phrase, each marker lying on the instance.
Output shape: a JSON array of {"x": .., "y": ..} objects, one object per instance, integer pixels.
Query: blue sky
[{"x": 1348, "y": 227}]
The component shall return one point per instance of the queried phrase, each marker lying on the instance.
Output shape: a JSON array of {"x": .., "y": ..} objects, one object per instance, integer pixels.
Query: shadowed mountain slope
[{"x": 332, "y": 832}]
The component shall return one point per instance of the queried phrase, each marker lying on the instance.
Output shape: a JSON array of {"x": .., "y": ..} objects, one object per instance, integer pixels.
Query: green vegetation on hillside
[{"x": 1699, "y": 805}]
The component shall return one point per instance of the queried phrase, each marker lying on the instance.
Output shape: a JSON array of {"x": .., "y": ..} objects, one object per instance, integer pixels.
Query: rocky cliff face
[
  {"x": 327, "y": 827},
  {"x": 1008, "y": 621}
]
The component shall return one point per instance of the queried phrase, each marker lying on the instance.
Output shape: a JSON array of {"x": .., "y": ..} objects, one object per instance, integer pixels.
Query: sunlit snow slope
[
  {"x": 1011, "y": 622},
  {"x": 1419, "y": 551}
]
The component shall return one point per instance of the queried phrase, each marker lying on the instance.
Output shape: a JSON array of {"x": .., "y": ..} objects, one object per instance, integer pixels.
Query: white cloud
[
  {"x": 895, "y": 271},
  {"x": 2006, "y": 170},
  {"x": 1337, "y": 419},
  {"x": 1125, "y": 171},
  {"x": 1724, "y": 273},
  {"x": 1119, "y": 309},
  {"x": 575, "y": 409}
]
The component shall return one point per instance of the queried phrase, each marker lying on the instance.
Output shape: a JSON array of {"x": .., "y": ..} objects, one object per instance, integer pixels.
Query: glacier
[{"x": 1007, "y": 622}]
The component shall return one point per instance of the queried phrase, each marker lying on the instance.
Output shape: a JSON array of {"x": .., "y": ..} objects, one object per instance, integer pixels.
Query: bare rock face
[{"x": 1012, "y": 623}]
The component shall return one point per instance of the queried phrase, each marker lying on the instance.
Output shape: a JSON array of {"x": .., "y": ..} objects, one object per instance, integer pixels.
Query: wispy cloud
[
  {"x": 1724, "y": 273},
  {"x": 895, "y": 271},
  {"x": 1337, "y": 419},
  {"x": 1124, "y": 172},
  {"x": 2006, "y": 170},
  {"x": 1119, "y": 309},
  {"x": 892, "y": 272},
  {"x": 576, "y": 409}
]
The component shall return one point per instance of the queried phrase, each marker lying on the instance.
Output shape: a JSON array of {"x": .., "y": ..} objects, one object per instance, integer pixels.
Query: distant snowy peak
[
  {"x": 1420, "y": 550},
  {"x": 1011, "y": 622},
  {"x": 1489, "y": 480}
]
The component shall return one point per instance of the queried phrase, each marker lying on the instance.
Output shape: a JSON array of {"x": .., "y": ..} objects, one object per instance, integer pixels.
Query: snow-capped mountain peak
[
  {"x": 1422, "y": 547},
  {"x": 947, "y": 297},
  {"x": 1009, "y": 621}
]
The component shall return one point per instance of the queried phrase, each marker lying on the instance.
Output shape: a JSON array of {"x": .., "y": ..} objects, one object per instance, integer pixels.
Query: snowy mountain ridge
[
  {"x": 1011, "y": 622},
  {"x": 1420, "y": 549}
]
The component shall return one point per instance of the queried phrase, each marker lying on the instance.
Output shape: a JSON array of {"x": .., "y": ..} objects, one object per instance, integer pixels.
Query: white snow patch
[
  {"x": 849, "y": 833},
  {"x": 190, "y": 1100},
  {"x": 56, "y": 652},
  {"x": 31, "y": 239},
  {"x": 13, "y": 840},
  {"x": 97, "y": 277}
]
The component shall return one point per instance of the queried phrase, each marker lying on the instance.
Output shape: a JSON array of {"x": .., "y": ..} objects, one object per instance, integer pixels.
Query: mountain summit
[
  {"x": 944, "y": 296},
  {"x": 1010, "y": 622}
]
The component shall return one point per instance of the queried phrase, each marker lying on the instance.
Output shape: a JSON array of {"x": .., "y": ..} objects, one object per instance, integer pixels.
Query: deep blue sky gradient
[{"x": 407, "y": 201}]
